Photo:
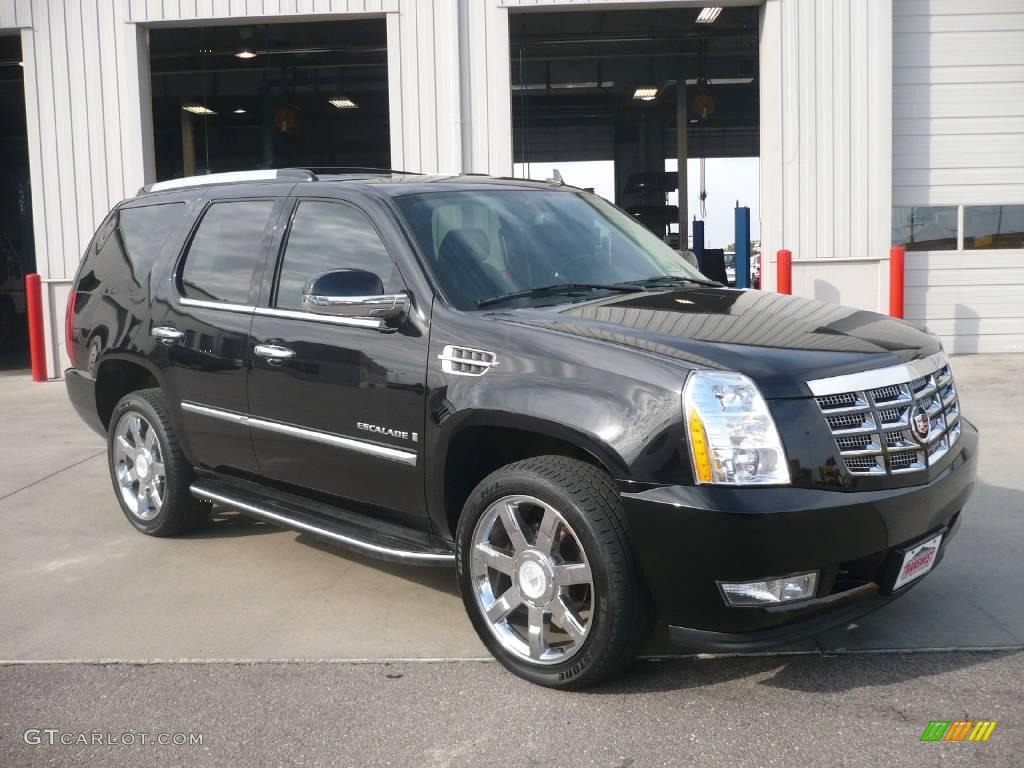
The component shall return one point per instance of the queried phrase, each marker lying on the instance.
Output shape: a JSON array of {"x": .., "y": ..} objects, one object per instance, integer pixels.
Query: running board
[{"x": 350, "y": 530}]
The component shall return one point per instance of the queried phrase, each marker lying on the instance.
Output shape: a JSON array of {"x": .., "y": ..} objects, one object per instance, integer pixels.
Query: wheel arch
[
  {"x": 116, "y": 376},
  {"x": 482, "y": 442}
]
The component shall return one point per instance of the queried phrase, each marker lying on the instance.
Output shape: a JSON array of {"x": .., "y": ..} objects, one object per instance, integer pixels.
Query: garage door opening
[
  {"x": 601, "y": 96},
  {"x": 310, "y": 95},
  {"x": 17, "y": 252}
]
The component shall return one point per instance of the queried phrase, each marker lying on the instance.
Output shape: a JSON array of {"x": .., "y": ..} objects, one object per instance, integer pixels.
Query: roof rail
[
  {"x": 270, "y": 174},
  {"x": 341, "y": 169}
]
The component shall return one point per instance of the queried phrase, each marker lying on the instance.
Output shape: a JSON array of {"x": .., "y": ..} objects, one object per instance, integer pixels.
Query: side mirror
[{"x": 353, "y": 293}]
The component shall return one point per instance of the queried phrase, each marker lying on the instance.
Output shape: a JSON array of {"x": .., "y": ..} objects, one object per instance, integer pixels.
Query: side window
[
  {"x": 326, "y": 236},
  {"x": 227, "y": 251},
  {"x": 145, "y": 229}
]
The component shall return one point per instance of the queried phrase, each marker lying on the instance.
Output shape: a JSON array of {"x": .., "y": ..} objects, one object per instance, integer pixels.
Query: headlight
[{"x": 733, "y": 439}]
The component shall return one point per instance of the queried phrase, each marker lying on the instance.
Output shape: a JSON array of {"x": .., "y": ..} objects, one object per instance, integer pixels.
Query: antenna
[{"x": 556, "y": 178}]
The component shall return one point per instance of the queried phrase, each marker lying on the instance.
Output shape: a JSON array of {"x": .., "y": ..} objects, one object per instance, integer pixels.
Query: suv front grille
[{"x": 876, "y": 429}]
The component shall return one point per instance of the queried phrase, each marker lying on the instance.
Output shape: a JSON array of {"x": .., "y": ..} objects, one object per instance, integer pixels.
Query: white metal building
[{"x": 877, "y": 119}]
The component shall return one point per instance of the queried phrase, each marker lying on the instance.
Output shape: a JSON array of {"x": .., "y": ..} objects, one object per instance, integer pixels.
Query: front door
[
  {"x": 339, "y": 409},
  {"x": 203, "y": 333}
]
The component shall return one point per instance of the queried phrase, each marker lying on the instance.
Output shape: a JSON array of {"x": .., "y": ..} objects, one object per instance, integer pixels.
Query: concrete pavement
[
  {"x": 790, "y": 711},
  {"x": 79, "y": 583}
]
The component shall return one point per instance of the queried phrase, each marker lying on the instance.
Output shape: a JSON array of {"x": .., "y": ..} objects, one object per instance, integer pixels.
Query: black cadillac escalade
[{"x": 518, "y": 380}]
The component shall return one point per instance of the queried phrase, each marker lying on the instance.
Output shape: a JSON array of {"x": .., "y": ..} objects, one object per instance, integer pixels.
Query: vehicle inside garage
[
  {"x": 627, "y": 92},
  {"x": 310, "y": 95},
  {"x": 17, "y": 254}
]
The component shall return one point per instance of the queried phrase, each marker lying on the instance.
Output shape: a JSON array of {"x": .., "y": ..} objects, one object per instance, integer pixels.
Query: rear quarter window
[{"x": 127, "y": 246}]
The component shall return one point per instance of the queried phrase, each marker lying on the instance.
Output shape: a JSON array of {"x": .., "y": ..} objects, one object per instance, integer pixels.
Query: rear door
[
  {"x": 202, "y": 336},
  {"x": 344, "y": 414}
]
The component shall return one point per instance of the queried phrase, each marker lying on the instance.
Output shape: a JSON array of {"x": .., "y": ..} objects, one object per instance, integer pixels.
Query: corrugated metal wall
[
  {"x": 958, "y": 139},
  {"x": 88, "y": 105},
  {"x": 826, "y": 131}
]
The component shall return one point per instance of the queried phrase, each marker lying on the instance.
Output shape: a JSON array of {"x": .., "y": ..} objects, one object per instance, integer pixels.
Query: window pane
[
  {"x": 145, "y": 230},
  {"x": 925, "y": 229},
  {"x": 994, "y": 226},
  {"x": 226, "y": 251},
  {"x": 328, "y": 236}
]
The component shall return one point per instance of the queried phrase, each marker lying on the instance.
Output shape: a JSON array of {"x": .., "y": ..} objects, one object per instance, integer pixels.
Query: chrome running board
[{"x": 350, "y": 530}]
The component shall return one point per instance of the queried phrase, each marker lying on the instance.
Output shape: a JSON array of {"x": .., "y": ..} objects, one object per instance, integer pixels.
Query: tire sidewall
[
  {"x": 133, "y": 403},
  {"x": 573, "y": 672}
]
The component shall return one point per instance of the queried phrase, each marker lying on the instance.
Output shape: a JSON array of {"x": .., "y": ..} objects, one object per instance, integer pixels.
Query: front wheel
[{"x": 547, "y": 574}]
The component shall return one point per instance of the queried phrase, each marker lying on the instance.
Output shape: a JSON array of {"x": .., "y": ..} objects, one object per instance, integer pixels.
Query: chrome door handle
[
  {"x": 167, "y": 335},
  {"x": 273, "y": 352}
]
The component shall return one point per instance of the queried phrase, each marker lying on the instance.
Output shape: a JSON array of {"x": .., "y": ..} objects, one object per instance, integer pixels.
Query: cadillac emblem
[{"x": 920, "y": 424}]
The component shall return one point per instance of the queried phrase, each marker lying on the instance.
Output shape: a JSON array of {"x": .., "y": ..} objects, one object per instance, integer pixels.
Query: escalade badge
[{"x": 920, "y": 423}]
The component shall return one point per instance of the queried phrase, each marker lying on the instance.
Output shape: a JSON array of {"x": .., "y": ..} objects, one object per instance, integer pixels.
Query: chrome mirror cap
[{"x": 378, "y": 307}]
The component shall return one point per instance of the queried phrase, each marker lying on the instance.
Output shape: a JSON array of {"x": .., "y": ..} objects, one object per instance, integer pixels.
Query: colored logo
[
  {"x": 920, "y": 423},
  {"x": 958, "y": 730}
]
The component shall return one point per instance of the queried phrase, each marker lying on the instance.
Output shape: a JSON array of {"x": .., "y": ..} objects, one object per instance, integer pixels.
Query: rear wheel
[
  {"x": 150, "y": 474},
  {"x": 547, "y": 575}
]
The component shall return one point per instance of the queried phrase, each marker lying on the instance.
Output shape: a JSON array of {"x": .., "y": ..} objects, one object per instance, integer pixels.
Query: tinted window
[
  {"x": 226, "y": 251},
  {"x": 127, "y": 245},
  {"x": 931, "y": 228},
  {"x": 994, "y": 226},
  {"x": 328, "y": 236}
]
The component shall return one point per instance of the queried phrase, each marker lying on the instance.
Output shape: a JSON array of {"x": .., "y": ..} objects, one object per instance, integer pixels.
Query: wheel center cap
[
  {"x": 141, "y": 466},
  {"x": 533, "y": 581}
]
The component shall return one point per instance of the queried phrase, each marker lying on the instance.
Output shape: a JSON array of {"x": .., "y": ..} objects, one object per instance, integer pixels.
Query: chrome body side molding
[{"x": 327, "y": 438}]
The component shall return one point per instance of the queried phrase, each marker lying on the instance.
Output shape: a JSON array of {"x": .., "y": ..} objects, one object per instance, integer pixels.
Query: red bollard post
[
  {"x": 34, "y": 308},
  {"x": 784, "y": 271},
  {"x": 897, "y": 259}
]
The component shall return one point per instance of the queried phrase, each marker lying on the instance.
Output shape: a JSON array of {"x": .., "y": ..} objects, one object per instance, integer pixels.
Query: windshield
[{"x": 481, "y": 244}]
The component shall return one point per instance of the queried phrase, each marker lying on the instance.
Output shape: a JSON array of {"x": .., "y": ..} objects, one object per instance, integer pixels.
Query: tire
[
  {"x": 140, "y": 420},
  {"x": 590, "y": 579}
]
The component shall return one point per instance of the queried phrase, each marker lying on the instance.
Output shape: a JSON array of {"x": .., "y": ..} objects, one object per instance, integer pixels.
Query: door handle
[
  {"x": 274, "y": 353},
  {"x": 167, "y": 335}
]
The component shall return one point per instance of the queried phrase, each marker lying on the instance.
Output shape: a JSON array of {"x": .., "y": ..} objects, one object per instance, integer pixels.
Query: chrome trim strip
[
  {"x": 327, "y": 438},
  {"x": 200, "y": 493},
  {"x": 215, "y": 413},
  {"x": 224, "y": 306},
  {"x": 877, "y": 378},
  {"x": 352, "y": 322}
]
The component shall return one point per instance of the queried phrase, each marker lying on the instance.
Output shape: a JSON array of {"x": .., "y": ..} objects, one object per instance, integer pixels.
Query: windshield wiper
[
  {"x": 674, "y": 279},
  {"x": 557, "y": 288}
]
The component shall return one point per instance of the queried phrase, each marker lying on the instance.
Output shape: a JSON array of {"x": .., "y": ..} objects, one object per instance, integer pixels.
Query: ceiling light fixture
[
  {"x": 245, "y": 53},
  {"x": 240, "y": 111},
  {"x": 708, "y": 15},
  {"x": 198, "y": 109},
  {"x": 645, "y": 93},
  {"x": 344, "y": 102}
]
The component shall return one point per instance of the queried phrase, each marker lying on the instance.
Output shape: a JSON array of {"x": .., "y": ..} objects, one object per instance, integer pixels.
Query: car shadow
[
  {"x": 226, "y": 523},
  {"x": 802, "y": 672}
]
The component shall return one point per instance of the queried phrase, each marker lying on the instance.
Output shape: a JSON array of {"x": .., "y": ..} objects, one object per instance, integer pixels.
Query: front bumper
[{"x": 690, "y": 538}]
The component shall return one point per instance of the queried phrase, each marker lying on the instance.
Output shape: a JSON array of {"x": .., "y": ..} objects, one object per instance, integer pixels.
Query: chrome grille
[{"x": 873, "y": 427}]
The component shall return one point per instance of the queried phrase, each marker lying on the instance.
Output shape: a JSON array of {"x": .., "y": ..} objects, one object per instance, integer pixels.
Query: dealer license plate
[{"x": 918, "y": 561}]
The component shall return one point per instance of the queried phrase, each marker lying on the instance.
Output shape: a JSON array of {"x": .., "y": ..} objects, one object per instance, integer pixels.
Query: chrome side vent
[{"x": 464, "y": 361}]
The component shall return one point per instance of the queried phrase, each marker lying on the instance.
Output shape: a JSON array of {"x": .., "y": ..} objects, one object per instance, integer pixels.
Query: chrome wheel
[
  {"x": 139, "y": 466},
  {"x": 532, "y": 580}
]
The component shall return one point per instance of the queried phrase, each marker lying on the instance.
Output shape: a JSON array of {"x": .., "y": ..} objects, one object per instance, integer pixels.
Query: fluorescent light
[
  {"x": 344, "y": 103},
  {"x": 198, "y": 109},
  {"x": 240, "y": 111},
  {"x": 245, "y": 54},
  {"x": 708, "y": 15},
  {"x": 645, "y": 93}
]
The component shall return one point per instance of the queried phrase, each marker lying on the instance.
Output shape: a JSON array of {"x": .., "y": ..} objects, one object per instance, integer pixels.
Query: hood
[{"x": 779, "y": 341}]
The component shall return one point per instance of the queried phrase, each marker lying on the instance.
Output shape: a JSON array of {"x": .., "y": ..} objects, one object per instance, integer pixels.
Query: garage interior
[
  {"x": 593, "y": 86},
  {"x": 311, "y": 95},
  {"x": 17, "y": 254}
]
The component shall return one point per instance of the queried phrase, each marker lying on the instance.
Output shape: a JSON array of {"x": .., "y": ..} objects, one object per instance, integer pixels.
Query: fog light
[{"x": 770, "y": 591}]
